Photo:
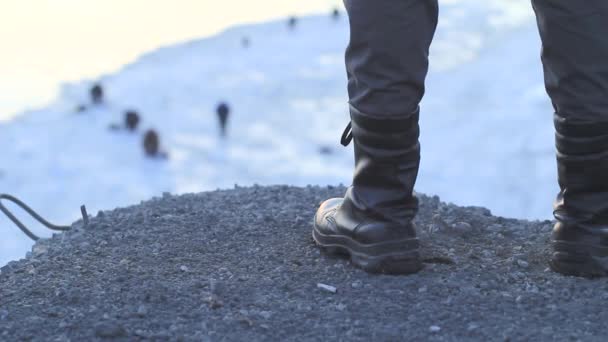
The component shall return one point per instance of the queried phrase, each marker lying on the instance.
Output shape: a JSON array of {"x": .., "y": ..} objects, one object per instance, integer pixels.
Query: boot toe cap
[{"x": 324, "y": 218}]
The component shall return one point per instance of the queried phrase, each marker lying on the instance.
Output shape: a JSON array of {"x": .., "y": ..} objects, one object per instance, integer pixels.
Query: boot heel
[{"x": 579, "y": 260}]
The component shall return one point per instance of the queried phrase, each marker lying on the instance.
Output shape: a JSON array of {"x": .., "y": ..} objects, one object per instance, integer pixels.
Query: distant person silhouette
[
  {"x": 151, "y": 144},
  {"x": 245, "y": 42},
  {"x": 96, "y": 94},
  {"x": 223, "y": 111},
  {"x": 335, "y": 14},
  {"x": 387, "y": 63},
  {"x": 132, "y": 119},
  {"x": 292, "y": 22}
]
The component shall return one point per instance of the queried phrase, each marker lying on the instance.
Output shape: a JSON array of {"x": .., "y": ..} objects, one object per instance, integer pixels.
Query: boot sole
[
  {"x": 394, "y": 257},
  {"x": 580, "y": 260}
]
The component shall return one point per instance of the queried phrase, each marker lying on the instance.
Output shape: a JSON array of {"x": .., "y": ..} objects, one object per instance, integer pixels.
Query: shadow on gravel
[{"x": 241, "y": 265}]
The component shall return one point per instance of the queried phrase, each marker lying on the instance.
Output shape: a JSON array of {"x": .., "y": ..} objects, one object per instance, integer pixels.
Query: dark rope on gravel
[{"x": 35, "y": 215}]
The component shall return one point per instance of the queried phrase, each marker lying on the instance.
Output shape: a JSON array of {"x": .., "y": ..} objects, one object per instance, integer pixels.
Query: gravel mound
[{"x": 241, "y": 265}]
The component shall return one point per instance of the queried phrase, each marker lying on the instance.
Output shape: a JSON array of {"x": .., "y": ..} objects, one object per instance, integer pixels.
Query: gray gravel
[{"x": 241, "y": 265}]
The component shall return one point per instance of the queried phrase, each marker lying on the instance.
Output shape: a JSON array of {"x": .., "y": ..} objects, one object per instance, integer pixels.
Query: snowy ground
[{"x": 487, "y": 133}]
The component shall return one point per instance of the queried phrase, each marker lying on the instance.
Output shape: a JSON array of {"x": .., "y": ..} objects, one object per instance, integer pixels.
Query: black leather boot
[
  {"x": 580, "y": 237},
  {"x": 373, "y": 222}
]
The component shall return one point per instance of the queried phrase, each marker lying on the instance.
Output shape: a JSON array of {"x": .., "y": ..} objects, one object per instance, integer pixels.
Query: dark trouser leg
[
  {"x": 387, "y": 57},
  {"x": 387, "y": 62},
  {"x": 575, "y": 59}
]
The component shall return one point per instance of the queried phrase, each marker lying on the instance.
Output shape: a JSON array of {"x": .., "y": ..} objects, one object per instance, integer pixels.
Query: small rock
[
  {"x": 472, "y": 326},
  {"x": 215, "y": 303},
  {"x": 518, "y": 299},
  {"x": 437, "y": 224},
  {"x": 356, "y": 284},
  {"x": 327, "y": 288},
  {"x": 30, "y": 269},
  {"x": 487, "y": 254},
  {"x": 522, "y": 263},
  {"x": 39, "y": 250},
  {"x": 480, "y": 211},
  {"x": 495, "y": 227},
  {"x": 3, "y": 314},
  {"x": 142, "y": 311},
  {"x": 462, "y": 227},
  {"x": 266, "y": 314},
  {"x": 434, "y": 328},
  {"x": 110, "y": 330},
  {"x": 422, "y": 289},
  {"x": 140, "y": 333},
  {"x": 184, "y": 268}
]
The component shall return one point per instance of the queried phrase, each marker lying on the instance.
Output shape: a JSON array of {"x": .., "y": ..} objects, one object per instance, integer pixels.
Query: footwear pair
[{"x": 373, "y": 222}]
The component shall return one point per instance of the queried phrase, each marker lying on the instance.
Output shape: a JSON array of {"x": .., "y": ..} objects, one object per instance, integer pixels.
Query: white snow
[{"x": 487, "y": 132}]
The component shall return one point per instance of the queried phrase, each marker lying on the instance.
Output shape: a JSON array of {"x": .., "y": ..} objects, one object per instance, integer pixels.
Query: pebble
[
  {"x": 495, "y": 227},
  {"x": 142, "y": 311},
  {"x": 266, "y": 314},
  {"x": 437, "y": 224},
  {"x": 184, "y": 268},
  {"x": 110, "y": 330},
  {"x": 462, "y": 227},
  {"x": 356, "y": 284},
  {"x": 39, "y": 250},
  {"x": 215, "y": 303},
  {"x": 522, "y": 263},
  {"x": 327, "y": 288},
  {"x": 487, "y": 254},
  {"x": 434, "y": 328}
]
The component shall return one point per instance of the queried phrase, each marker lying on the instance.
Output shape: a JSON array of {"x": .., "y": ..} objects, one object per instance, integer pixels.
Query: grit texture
[{"x": 241, "y": 265}]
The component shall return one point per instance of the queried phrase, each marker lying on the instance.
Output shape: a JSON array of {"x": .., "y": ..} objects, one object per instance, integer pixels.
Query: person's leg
[
  {"x": 387, "y": 57},
  {"x": 575, "y": 58},
  {"x": 386, "y": 62}
]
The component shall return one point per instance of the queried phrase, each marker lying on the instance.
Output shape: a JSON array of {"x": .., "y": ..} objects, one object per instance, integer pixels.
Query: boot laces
[{"x": 347, "y": 135}]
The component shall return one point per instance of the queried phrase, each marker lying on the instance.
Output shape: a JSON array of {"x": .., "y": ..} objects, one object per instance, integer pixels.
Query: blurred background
[
  {"x": 46, "y": 42},
  {"x": 109, "y": 103}
]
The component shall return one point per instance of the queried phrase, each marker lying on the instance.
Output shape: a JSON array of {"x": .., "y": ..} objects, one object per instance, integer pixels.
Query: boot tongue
[{"x": 347, "y": 135}]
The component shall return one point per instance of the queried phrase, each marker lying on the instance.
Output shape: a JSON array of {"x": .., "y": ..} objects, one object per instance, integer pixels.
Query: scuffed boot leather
[
  {"x": 373, "y": 222},
  {"x": 580, "y": 237}
]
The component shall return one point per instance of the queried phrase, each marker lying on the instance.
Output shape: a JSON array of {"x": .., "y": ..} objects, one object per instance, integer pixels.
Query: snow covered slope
[{"x": 486, "y": 122}]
